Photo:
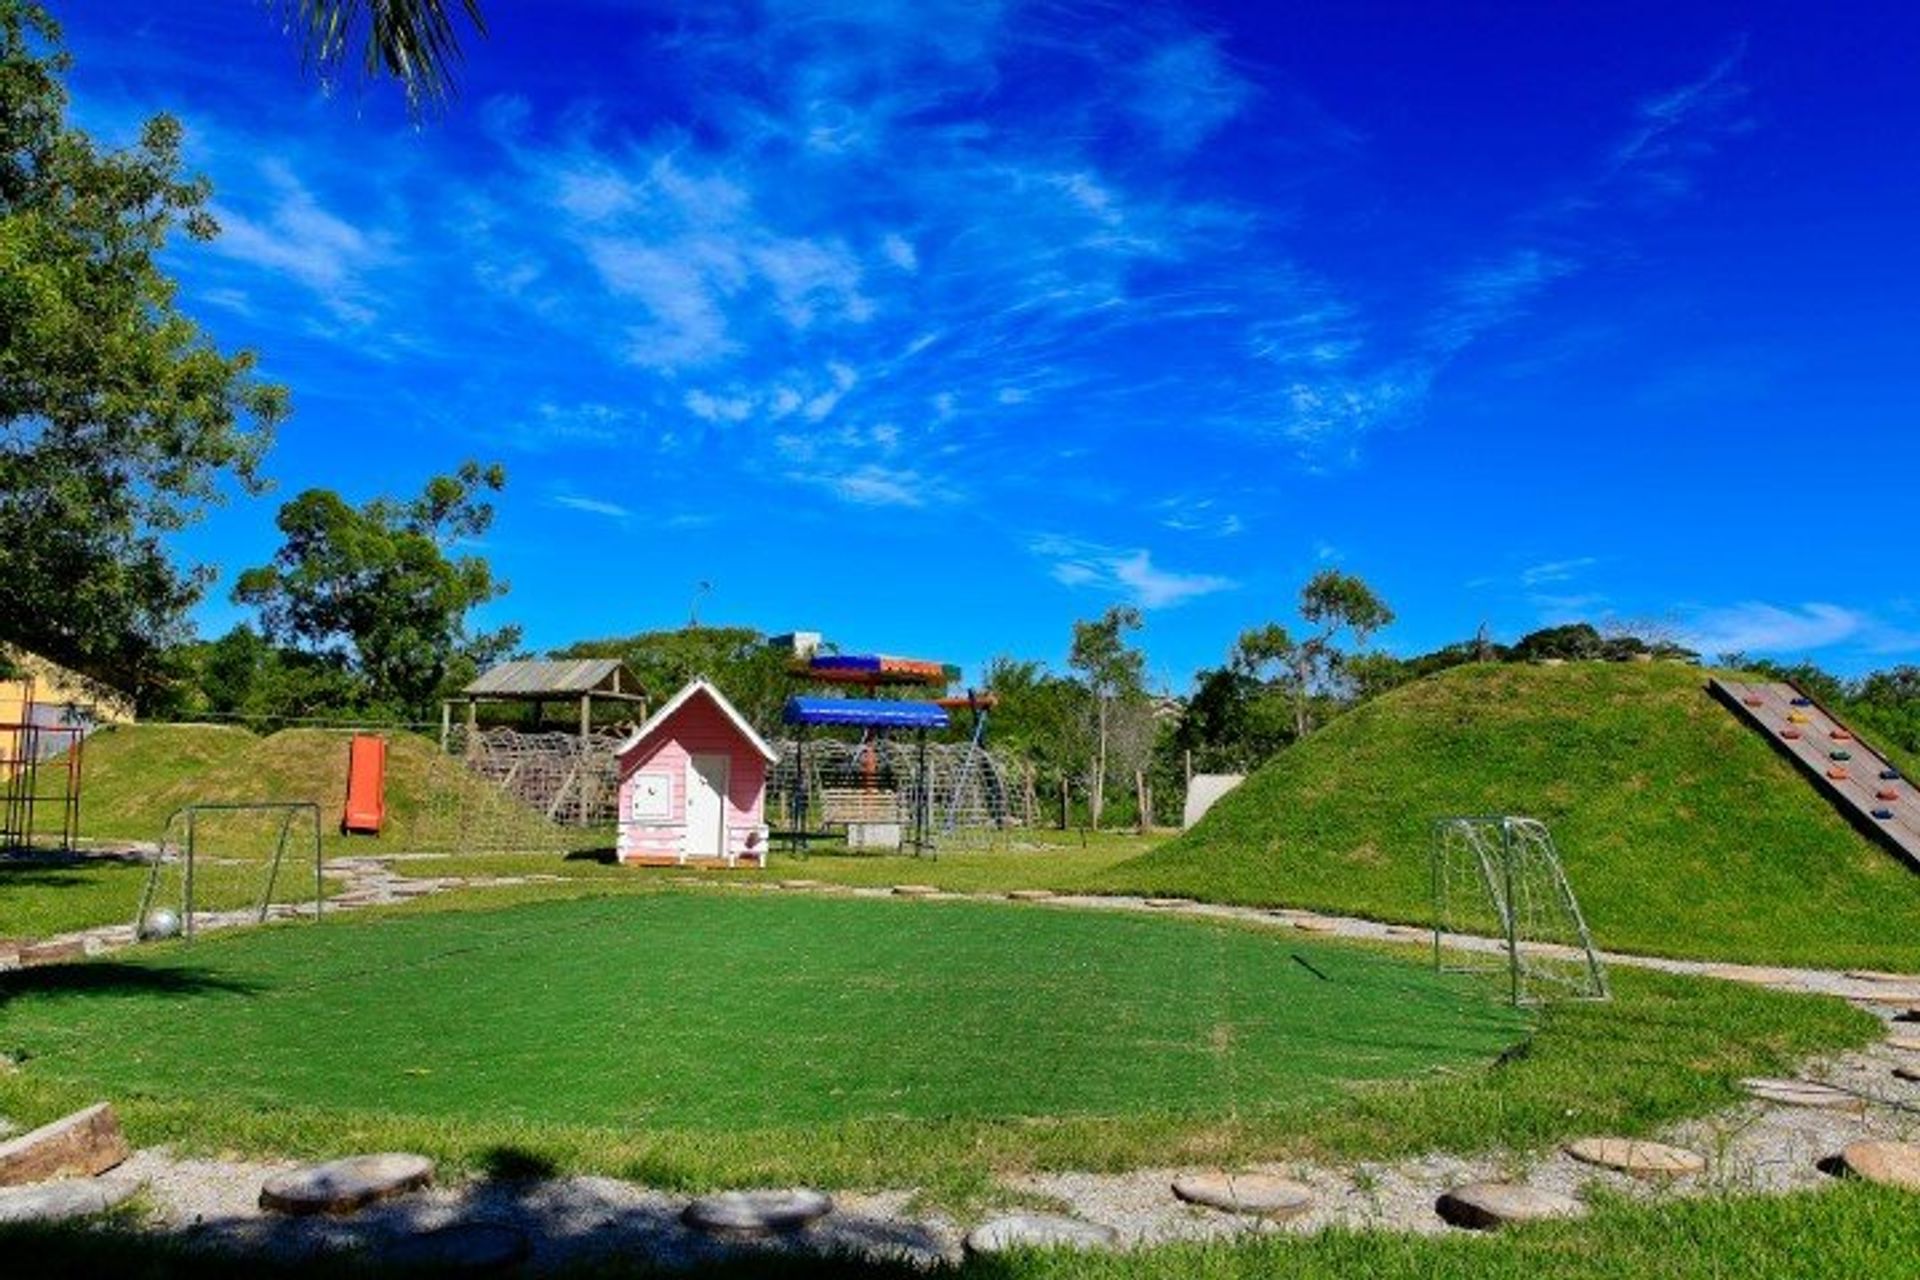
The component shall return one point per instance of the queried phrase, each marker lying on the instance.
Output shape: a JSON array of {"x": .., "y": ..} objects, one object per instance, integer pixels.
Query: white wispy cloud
[
  {"x": 592, "y": 506},
  {"x": 1758, "y": 627},
  {"x": 1199, "y": 515},
  {"x": 1552, "y": 571},
  {"x": 1185, "y": 91},
  {"x": 711, "y": 408},
  {"x": 1677, "y": 128},
  {"x": 877, "y": 485},
  {"x": 1127, "y": 572},
  {"x": 296, "y": 238}
]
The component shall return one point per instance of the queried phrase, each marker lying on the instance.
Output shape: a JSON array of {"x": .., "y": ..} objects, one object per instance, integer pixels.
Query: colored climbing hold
[
  {"x": 1803, "y": 702},
  {"x": 1886, "y": 793},
  {"x": 1797, "y": 717},
  {"x": 1839, "y": 755},
  {"x": 1889, "y": 775},
  {"x": 1841, "y": 735},
  {"x": 1754, "y": 701},
  {"x": 1789, "y": 733},
  {"x": 1883, "y": 814},
  {"x": 1838, "y": 773}
]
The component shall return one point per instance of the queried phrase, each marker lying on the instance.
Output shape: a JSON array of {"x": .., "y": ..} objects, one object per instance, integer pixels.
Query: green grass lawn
[
  {"x": 1682, "y": 830},
  {"x": 723, "y": 1012},
  {"x": 699, "y": 1038},
  {"x": 42, "y": 895}
]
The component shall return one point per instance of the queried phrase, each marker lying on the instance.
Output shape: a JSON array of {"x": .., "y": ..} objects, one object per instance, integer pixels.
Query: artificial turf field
[{"x": 725, "y": 1011}]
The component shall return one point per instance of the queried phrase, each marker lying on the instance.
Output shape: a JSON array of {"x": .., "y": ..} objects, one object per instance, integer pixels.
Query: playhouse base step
[{"x": 745, "y": 861}]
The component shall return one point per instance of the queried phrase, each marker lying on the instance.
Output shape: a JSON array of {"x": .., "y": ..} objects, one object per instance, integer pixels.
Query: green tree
[
  {"x": 1112, "y": 670},
  {"x": 412, "y": 41},
  {"x": 738, "y": 660},
  {"x": 377, "y": 585},
  {"x": 119, "y": 419},
  {"x": 1333, "y": 602}
]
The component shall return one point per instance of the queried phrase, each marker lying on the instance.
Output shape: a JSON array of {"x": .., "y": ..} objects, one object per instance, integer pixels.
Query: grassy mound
[
  {"x": 137, "y": 775},
  {"x": 1683, "y": 832}
]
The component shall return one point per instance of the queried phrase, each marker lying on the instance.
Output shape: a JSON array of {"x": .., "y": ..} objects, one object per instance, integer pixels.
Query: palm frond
[{"x": 413, "y": 41}]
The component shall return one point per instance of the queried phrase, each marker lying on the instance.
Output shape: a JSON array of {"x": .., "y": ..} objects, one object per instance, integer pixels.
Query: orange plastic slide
[{"x": 366, "y": 785}]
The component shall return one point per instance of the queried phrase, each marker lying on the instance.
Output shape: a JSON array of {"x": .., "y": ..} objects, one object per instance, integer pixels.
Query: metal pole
[
  {"x": 319, "y": 883},
  {"x": 1436, "y": 852},
  {"x": 922, "y": 827},
  {"x": 186, "y": 923},
  {"x": 1506, "y": 873}
]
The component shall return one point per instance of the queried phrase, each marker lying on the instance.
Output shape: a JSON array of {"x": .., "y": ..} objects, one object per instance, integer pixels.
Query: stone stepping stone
[
  {"x": 1637, "y": 1157},
  {"x": 66, "y": 1198},
  {"x": 1038, "y": 1231},
  {"x": 799, "y": 884},
  {"x": 1904, "y": 1040},
  {"x": 1163, "y": 903},
  {"x": 463, "y": 1248},
  {"x": 1029, "y": 895},
  {"x": 915, "y": 890},
  {"x": 342, "y": 1186},
  {"x": 1309, "y": 924},
  {"x": 1891, "y": 1164},
  {"x": 1259, "y": 1195},
  {"x": 1487, "y": 1206},
  {"x": 1911, "y": 1014},
  {"x": 1803, "y": 1093},
  {"x": 76, "y": 1146},
  {"x": 1910, "y": 1074},
  {"x": 753, "y": 1213}
]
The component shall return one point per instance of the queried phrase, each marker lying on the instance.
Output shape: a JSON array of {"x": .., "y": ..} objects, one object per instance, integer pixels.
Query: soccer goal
[
  {"x": 232, "y": 863},
  {"x": 1500, "y": 878}
]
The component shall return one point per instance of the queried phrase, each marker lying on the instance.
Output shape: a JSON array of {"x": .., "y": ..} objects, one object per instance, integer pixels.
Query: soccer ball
[{"x": 159, "y": 924}]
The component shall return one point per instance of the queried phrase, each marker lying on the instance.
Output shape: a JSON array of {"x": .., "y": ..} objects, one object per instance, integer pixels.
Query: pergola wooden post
[{"x": 583, "y": 680}]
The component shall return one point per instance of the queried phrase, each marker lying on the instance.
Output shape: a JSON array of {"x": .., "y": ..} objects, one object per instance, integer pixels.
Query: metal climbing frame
[
  {"x": 187, "y": 820},
  {"x": 40, "y": 775},
  {"x": 1501, "y": 876}
]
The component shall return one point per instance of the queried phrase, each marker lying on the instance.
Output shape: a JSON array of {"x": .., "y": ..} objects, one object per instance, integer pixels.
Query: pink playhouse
[{"x": 693, "y": 785}]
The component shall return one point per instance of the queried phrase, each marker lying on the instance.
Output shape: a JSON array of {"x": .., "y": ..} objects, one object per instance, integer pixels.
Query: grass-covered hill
[
  {"x": 1682, "y": 830},
  {"x": 137, "y": 775}
]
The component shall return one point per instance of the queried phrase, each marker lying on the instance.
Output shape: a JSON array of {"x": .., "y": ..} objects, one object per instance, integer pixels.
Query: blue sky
[{"x": 937, "y": 326}]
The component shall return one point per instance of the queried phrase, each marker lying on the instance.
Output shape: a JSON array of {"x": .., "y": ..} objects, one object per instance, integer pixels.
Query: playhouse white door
[{"x": 707, "y": 806}]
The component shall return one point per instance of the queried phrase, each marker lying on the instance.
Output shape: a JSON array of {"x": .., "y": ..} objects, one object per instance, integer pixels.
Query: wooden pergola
[{"x": 578, "y": 682}]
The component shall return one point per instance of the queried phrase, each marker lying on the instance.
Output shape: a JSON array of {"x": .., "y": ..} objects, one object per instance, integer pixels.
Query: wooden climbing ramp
[{"x": 1861, "y": 782}]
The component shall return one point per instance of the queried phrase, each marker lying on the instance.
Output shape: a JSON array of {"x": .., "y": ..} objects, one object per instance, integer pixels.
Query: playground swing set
[{"x": 882, "y": 795}]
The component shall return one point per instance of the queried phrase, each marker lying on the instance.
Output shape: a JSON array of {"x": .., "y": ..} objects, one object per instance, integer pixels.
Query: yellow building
[{"x": 46, "y": 693}]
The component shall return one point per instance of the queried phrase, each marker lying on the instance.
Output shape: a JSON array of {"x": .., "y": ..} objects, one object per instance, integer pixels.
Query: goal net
[
  {"x": 1502, "y": 904},
  {"x": 221, "y": 864}
]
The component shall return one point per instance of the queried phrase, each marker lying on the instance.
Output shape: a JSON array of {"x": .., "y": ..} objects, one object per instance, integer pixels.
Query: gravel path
[{"x": 1754, "y": 1147}]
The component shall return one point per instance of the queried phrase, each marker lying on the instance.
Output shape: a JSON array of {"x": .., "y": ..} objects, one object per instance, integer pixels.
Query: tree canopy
[
  {"x": 376, "y": 588},
  {"x": 120, "y": 420}
]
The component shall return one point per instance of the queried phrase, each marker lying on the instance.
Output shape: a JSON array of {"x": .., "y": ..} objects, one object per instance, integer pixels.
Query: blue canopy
[{"x": 865, "y": 713}]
